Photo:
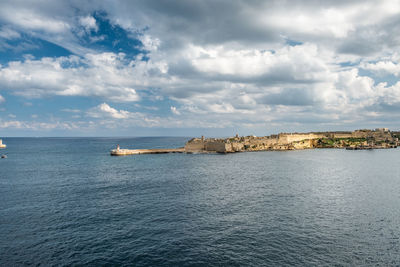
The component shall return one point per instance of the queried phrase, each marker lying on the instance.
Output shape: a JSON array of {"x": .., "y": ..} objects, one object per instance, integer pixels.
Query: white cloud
[
  {"x": 89, "y": 23},
  {"x": 26, "y": 19},
  {"x": 113, "y": 118},
  {"x": 104, "y": 111},
  {"x": 71, "y": 110},
  {"x": 107, "y": 76},
  {"x": 2, "y": 99},
  {"x": 8, "y": 33},
  {"x": 299, "y": 63},
  {"x": 224, "y": 64},
  {"x": 11, "y": 124},
  {"x": 41, "y": 126},
  {"x": 389, "y": 95},
  {"x": 355, "y": 86},
  {"x": 175, "y": 111},
  {"x": 109, "y": 117},
  {"x": 150, "y": 43},
  {"x": 382, "y": 68}
]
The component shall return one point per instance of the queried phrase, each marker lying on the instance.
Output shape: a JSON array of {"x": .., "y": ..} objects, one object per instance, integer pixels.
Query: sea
[{"x": 67, "y": 202}]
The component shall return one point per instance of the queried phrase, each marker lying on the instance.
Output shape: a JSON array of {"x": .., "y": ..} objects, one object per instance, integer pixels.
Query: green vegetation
[
  {"x": 353, "y": 140},
  {"x": 339, "y": 142}
]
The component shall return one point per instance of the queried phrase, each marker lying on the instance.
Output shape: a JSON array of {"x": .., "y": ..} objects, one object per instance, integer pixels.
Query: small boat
[{"x": 3, "y": 156}]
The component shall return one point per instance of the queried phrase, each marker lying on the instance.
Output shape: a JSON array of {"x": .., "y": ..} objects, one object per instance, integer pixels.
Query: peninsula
[{"x": 380, "y": 138}]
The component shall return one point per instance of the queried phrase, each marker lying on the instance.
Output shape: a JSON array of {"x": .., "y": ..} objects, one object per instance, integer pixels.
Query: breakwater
[{"x": 126, "y": 152}]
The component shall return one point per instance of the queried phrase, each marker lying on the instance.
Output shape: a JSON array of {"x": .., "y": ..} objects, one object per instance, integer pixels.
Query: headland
[
  {"x": 360, "y": 139},
  {"x": 380, "y": 138}
]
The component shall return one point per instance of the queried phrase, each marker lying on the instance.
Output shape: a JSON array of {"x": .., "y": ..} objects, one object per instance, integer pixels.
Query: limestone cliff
[{"x": 378, "y": 138}]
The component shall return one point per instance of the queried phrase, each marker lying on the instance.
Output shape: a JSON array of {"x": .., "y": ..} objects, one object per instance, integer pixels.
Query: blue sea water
[{"x": 65, "y": 201}]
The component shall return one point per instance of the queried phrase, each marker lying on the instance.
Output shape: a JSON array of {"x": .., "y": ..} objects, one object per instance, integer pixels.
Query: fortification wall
[
  {"x": 360, "y": 134},
  {"x": 265, "y": 141},
  {"x": 194, "y": 146},
  {"x": 283, "y": 141},
  {"x": 218, "y": 146},
  {"x": 342, "y": 135},
  {"x": 289, "y": 138}
]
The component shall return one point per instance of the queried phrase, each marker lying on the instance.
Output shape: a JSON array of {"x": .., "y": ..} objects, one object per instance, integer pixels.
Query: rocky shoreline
[{"x": 381, "y": 138}]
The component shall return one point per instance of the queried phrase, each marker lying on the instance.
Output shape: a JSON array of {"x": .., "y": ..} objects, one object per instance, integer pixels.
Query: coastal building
[{"x": 382, "y": 129}]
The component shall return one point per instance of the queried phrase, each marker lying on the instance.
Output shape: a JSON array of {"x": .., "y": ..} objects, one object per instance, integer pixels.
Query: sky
[{"x": 198, "y": 67}]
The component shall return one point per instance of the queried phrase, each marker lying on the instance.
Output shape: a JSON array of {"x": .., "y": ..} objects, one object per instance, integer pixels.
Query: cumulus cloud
[
  {"x": 223, "y": 63},
  {"x": 105, "y": 76},
  {"x": 104, "y": 111},
  {"x": 109, "y": 115},
  {"x": 22, "y": 16},
  {"x": 8, "y": 33},
  {"x": 382, "y": 68},
  {"x": 43, "y": 126},
  {"x": 149, "y": 43},
  {"x": 2, "y": 99},
  {"x": 299, "y": 64},
  {"x": 71, "y": 110},
  {"x": 175, "y": 111},
  {"x": 89, "y": 23}
]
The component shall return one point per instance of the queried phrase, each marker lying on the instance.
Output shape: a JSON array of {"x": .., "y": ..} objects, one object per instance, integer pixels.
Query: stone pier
[{"x": 126, "y": 152}]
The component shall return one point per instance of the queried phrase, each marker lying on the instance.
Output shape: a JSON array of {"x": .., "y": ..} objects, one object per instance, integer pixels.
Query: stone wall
[
  {"x": 343, "y": 135},
  {"x": 194, "y": 145},
  {"x": 263, "y": 141},
  {"x": 289, "y": 138},
  {"x": 218, "y": 146},
  {"x": 283, "y": 141}
]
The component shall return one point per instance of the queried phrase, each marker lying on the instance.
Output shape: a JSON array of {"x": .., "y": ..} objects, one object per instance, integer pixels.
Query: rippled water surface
[{"x": 65, "y": 201}]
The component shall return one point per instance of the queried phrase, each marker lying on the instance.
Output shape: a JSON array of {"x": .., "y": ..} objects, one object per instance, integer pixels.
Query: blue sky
[{"x": 214, "y": 68}]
